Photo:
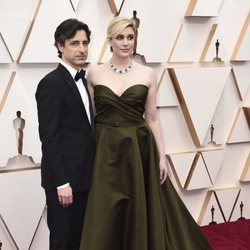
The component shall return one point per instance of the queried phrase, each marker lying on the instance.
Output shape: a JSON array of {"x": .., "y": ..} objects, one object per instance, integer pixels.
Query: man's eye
[
  {"x": 74, "y": 43},
  {"x": 85, "y": 43}
]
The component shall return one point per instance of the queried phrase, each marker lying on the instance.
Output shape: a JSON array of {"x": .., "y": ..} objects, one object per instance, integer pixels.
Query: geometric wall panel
[
  {"x": 207, "y": 84},
  {"x": 165, "y": 95},
  {"x": 41, "y": 234},
  {"x": 242, "y": 48},
  {"x": 227, "y": 199},
  {"x": 203, "y": 8},
  {"x": 45, "y": 25},
  {"x": 213, "y": 160},
  {"x": 17, "y": 99},
  {"x": 242, "y": 205},
  {"x": 161, "y": 26},
  {"x": 5, "y": 55},
  {"x": 6, "y": 238},
  {"x": 246, "y": 111},
  {"x": 247, "y": 99},
  {"x": 173, "y": 123},
  {"x": 14, "y": 41},
  {"x": 74, "y": 3},
  {"x": 209, "y": 50},
  {"x": 105, "y": 53},
  {"x": 189, "y": 42},
  {"x": 180, "y": 165},
  {"x": 241, "y": 74},
  {"x": 232, "y": 166},
  {"x": 198, "y": 177},
  {"x": 115, "y": 5},
  {"x": 225, "y": 113},
  {"x": 245, "y": 176},
  {"x": 15, "y": 207},
  {"x": 6, "y": 81},
  {"x": 240, "y": 131},
  {"x": 206, "y": 93},
  {"x": 210, "y": 211},
  {"x": 231, "y": 20}
]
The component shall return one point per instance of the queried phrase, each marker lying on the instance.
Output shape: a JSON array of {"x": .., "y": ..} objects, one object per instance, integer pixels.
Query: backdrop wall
[{"x": 204, "y": 103}]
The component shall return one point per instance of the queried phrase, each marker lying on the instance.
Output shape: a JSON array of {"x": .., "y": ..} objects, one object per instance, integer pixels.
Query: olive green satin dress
[{"x": 127, "y": 208}]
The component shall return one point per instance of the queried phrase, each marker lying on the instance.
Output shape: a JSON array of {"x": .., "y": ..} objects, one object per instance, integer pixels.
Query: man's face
[{"x": 75, "y": 50}]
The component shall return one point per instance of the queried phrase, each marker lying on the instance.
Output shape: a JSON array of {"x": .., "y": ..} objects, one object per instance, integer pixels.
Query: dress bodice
[{"x": 115, "y": 110}]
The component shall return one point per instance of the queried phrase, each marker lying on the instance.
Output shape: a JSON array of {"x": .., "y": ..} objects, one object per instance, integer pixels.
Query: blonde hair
[{"x": 117, "y": 25}]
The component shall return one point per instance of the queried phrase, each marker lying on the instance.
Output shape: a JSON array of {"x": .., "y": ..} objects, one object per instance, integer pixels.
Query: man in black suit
[{"x": 66, "y": 132}]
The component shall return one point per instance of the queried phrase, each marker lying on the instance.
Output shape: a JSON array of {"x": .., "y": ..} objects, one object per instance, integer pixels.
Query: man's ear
[{"x": 60, "y": 47}]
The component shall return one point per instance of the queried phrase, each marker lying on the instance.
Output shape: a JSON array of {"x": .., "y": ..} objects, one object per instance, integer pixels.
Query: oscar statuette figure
[
  {"x": 18, "y": 125},
  {"x": 241, "y": 211},
  {"x": 217, "y": 58},
  {"x": 212, "y": 142},
  {"x": 136, "y": 22},
  {"x": 19, "y": 160},
  {"x": 212, "y": 214}
]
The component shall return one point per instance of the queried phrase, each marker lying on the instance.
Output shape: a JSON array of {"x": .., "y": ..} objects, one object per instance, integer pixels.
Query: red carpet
[{"x": 229, "y": 236}]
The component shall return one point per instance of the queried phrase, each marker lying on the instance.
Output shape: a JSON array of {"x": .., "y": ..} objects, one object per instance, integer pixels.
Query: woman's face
[{"x": 123, "y": 43}]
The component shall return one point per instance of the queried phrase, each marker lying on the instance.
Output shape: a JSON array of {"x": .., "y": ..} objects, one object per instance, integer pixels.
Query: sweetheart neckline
[{"x": 102, "y": 85}]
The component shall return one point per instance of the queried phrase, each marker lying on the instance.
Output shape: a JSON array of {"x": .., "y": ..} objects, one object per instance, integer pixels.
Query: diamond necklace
[{"x": 121, "y": 71}]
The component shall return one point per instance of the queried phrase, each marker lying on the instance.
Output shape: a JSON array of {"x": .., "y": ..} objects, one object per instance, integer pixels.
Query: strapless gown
[{"x": 127, "y": 208}]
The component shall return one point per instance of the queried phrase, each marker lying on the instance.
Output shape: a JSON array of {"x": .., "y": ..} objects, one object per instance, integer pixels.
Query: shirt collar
[{"x": 71, "y": 70}]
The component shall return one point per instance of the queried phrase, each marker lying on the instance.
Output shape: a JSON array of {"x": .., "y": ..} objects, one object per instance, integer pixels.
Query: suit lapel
[{"x": 72, "y": 86}]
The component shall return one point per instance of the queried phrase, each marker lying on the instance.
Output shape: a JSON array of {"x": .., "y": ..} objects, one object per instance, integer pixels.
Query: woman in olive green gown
[{"x": 132, "y": 204}]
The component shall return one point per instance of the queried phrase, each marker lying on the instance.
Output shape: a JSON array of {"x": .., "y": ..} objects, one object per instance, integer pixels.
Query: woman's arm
[
  {"x": 89, "y": 78},
  {"x": 154, "y": 123}
]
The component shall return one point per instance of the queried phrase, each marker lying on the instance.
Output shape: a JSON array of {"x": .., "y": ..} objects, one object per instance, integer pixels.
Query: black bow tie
[{"x": 80, "y": 74}]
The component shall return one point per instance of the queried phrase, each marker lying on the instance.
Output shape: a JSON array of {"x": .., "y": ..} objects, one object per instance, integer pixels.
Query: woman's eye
[
  {"x": 119, "y": 37},
  {"x": 130, "y": 37}
]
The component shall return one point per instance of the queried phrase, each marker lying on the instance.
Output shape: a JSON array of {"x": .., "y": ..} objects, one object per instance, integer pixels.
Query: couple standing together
[{"x": 118, "y": 155}]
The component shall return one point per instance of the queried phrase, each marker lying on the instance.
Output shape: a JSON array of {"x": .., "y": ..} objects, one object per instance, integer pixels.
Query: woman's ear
[
  {"x": 109, "y": 39},
  {"x": 110, "y": 44}
]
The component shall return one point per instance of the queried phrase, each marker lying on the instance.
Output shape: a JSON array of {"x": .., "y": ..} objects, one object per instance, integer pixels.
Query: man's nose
[{"x": 82, "y": 47}]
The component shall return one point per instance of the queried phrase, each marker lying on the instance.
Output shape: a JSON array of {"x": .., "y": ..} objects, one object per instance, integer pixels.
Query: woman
[{"x": 131, "y": 206}]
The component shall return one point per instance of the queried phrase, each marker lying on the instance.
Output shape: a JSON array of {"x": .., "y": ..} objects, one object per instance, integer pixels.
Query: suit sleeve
[{"x": 49, "y": 107}]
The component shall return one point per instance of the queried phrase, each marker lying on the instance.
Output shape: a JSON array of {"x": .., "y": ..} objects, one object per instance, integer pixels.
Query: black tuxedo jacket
[{"x": 65, "y": 132}]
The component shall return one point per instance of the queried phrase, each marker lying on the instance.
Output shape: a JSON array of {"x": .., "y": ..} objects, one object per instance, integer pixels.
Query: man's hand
[{"x": 65, "y": 196}]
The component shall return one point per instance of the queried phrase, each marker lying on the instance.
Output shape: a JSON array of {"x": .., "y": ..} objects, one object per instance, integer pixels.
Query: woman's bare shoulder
[
  {"x": 144, "y": 68},
  {"x": 146, "y": 71},
  {"x": 96, "y": 73}
]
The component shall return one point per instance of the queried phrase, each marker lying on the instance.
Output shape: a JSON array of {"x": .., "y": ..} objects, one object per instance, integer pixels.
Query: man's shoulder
[
  {"x": 54, "y": 75},
  {"x": 49, "y": 81}
]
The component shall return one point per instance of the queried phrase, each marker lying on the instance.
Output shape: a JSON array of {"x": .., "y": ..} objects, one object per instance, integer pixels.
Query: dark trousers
[{"x": 65, "y": 224}]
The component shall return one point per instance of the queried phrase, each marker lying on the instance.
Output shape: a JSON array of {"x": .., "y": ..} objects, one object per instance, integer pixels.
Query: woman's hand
[{"x": 163, "y": 170}]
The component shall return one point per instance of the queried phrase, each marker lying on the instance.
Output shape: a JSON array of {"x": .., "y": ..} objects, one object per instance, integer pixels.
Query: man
[{"x": 66, "y": 133}]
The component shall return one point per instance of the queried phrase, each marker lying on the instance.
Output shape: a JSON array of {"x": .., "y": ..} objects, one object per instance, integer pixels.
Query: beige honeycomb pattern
[{"x": 203, "y": 103}]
